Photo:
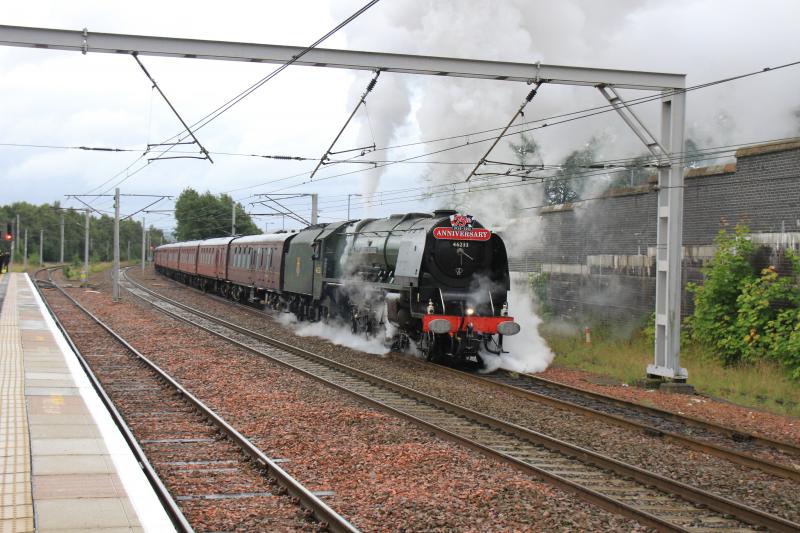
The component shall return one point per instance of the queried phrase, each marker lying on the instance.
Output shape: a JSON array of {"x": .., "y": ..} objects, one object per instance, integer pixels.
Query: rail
[{"x": 652, "y": 499}]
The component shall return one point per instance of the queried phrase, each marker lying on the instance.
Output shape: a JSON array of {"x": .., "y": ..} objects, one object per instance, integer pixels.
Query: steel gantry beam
[
  {"x": 670, "y": 181},
  {"x": 112, "y": 43}
]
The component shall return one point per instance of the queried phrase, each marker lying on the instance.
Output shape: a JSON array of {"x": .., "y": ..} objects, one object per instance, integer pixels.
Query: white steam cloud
[
  {"x": 336, "y": 333},
  {"x": 527, "y": 351},
  {"x": 702, "y": 38}
]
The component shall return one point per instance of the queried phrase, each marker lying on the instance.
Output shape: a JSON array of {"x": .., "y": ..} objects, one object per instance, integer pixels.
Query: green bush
[
  {"x": 743, "y": 317},
  {"x": 715, "y": 310},
  {"x": 538, "y": 281}
]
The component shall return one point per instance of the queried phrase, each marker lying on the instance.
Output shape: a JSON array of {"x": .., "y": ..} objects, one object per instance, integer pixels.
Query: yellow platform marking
[{"x": 16, "y": 504}]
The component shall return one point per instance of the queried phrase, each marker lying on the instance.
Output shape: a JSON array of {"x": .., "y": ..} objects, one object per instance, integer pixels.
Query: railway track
[
  {"x": 774, "y": 457},
  {"x": 768, "y": 455},
  {"x": 204, "y": 459},
  {"x": 652, "y": 499},
  {"x": 173, "y": 510}
]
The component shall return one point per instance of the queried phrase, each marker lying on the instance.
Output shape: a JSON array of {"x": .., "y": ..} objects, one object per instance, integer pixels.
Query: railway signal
[{"x": 9, "y": 236}]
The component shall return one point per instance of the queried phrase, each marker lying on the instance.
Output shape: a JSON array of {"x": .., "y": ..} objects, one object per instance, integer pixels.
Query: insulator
[{"x": 372, "y": 84}]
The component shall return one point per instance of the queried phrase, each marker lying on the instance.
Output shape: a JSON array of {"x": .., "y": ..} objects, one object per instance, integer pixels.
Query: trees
[
  {"x": 567, "y": 183},
  {"x": 527, "y": 152},
  {"x": 203, "y": 216},
  {"x": 47, "y": 217}
]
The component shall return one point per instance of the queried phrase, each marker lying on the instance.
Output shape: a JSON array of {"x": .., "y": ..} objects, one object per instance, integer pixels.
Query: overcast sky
[{"x": 58, "y": 98}]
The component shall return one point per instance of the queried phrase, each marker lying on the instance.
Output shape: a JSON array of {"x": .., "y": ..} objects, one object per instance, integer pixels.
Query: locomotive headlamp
[
  {"x": 507, "y": 328},
  {"x": 504, "y": 311},
  {"x": 470, "y": 311}
]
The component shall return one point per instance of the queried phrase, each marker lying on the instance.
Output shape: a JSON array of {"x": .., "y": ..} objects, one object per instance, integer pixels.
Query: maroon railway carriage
[
  {"x": 242, "y": 268},
  {"x": 166, "y": 256},
  {"x": 187, "y": 257},
  {"x": 254, "y": 266},
  {"x": 212, "y": 258}
]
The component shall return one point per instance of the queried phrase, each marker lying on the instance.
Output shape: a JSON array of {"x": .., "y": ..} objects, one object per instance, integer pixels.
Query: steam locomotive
[{"x": 437, "y": 280}]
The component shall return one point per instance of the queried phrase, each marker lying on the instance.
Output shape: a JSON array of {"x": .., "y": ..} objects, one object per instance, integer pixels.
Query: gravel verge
[
  {"x": 216, "y": 487},
  {"x": 747, "y": 420},
  {"x": 758, "y": 489},
  {"x": 384, "y": 473}
]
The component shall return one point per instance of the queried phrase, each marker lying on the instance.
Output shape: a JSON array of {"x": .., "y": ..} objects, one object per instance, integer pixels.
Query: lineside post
[
  {"x": 115, "y": 271},
  {"x": 41, "y": 247},
  {"x": 314, "y": 208},
  {"x": 144, "y": 243},
  {"x": 61, "y": 253},
  {"x": 85, "y": 273},
  {"x": 14, "y": 247}
]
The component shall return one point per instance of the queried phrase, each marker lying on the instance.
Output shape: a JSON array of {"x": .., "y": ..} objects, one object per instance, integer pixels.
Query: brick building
[{"x": 597, "y": 257}]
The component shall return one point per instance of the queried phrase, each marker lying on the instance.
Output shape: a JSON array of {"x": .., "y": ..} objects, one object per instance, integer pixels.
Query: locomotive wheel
[{"x": 427, "y": 345}]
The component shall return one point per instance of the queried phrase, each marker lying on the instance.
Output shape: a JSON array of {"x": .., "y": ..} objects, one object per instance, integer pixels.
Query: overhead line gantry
[{"x": 668, "y": 149}]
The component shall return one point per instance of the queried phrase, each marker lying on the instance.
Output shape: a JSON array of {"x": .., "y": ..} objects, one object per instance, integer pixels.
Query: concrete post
[
  {"x": 61, "y": 253},
  {"x": 144, "y": 243},
  {"x": 314, "y": 199},
  {"x": 14, "y": 246},
  {"x": 115, "y": 271},
  {"x": 85, "y": 273}
]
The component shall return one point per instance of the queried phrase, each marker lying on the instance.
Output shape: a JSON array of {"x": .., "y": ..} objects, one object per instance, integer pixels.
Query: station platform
[{"x": 65, "y": 466}]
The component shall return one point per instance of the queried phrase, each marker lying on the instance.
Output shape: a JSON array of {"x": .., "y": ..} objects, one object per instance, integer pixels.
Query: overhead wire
[
  {"x": 459, "y": 187},
  {"x": 242, "y": 95},
  {"x": 599, "y": 109},
  {"x": 581, "y": 115},
  {"x": 710, "y": 153}
]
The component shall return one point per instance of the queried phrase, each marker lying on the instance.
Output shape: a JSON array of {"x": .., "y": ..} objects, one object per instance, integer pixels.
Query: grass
[
  {"x": 73, "y": 272},
  {"x": 764, "y": 385}
]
